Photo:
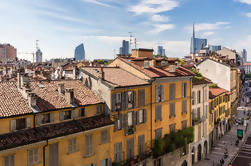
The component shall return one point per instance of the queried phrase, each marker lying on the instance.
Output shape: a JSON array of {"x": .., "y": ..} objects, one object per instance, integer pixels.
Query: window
[
  {"x": 117, "y": 101},
  {"x": 20, "y": 124},
  {"x": 159, "y": 93},
  {"x": 33, "y": 156},
  {"x": 141, "y": 98},
  {"x": 88, "y": 145},
  {"x": 184, "y": 90},
  {"x": 193, "y": 114},
  {"x": 92, "y": 164},
  {"x": 130, "y": 99},
  {"x": 205, "y": 95},
  {"x": 184, "y": 107},
  {"x": 72, "y": 145},
  {"x": 140, "y": 116},
  {"x": 184, "y": 124},
  {"x": 172, "y": 91},
  {"x": 158, "y": 112},
  {"x": 106, "y": 162},
  {"x": 118, "y": 122},
  {"x": 104, "y": 137},
  {"x": 129, "y": 119},
  {"x": 99, "y": 109},
  {"x": 141, "y": 144},
  {"x": 65, "y": 115},
  {"x": 193, "y": 98},
  {"x": 172, "y": 128},
  {"x": 198, "y": 112},
  {"x": 158, "y": 133},
  {"x": 198, "y": 96},
  {"x": 172, "y": 110},
  {"x": 130, "y": 148},
  {"x": 118, "y": 152},
  {"x": 9, "y": 160},
  {"x": 82, "y": 112}
]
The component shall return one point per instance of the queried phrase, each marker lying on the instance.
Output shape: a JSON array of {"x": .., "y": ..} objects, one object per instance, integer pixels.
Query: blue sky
[{"x": 60, "y": 25}]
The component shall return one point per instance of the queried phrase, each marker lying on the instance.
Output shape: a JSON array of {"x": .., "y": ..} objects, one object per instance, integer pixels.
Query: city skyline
[{"x": 60, "y": 25}]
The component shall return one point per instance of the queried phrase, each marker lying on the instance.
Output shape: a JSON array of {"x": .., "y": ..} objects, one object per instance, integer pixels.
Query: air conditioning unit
[
  {"x": 172, "y": 68},
  {"x": 146, "y": 64}
]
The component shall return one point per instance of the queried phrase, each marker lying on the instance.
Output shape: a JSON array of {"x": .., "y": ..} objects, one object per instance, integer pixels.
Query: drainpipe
[
  {"x": 151, "y": 101},
  {"x": 44, "y": 151}
]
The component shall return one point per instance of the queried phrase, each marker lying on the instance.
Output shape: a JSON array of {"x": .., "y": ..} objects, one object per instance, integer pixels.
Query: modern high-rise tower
[
  {"x": 196, "y": 43},
  {"x": 161, "y": 51},
  {"x": 124, "y": 50},
  {"x": 79, "y": 52},
  {"x": 244, "y": 55}
]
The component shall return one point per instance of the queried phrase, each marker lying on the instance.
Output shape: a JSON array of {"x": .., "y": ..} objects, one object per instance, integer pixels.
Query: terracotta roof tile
[
  {"x": 12, "y": 101},
  {"x": 49, "y": 97},
  {"x": 116, "y": 77},
  {"x": 214, "y": 92},
  {"x": 33, "y": 135}
]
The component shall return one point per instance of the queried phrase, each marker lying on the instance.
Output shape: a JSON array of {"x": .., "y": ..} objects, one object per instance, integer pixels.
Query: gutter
[{"x": 44, "y": 151}]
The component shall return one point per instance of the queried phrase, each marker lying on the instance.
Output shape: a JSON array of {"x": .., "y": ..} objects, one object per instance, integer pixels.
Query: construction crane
[{"x": 30, "y": 53}]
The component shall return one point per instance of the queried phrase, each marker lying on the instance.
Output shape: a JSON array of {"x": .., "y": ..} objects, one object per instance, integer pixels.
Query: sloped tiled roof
[
  {"x": 33, "y": 135},
  {"x": 155, "y": 72},
  {"x": 214, "y": 92},
  {"x": 12, "y": 101},
  {"x": 116, "y": 77},
  {"x": 49, "y": 97}
]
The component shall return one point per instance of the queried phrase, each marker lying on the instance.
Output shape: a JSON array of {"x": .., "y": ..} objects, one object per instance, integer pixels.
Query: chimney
[
  {"x": 172, "y": 68},
  {"x": 18, "y": 80},
  {"x": 32, "y": 99},
  {"x": 146, "y": 64},
  {"x": 102, "y": 73},
  {"x": 69, "y": 95},
  {"x": 153, "y": 63},
  {"x": 61, "y": 88},
  {"x": 24, "y": 81}
]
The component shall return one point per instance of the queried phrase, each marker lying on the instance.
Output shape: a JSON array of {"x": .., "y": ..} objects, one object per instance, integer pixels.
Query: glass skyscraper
[
  {"x": 161, "y": 51},
  {"x": 124, "y": 50},
  {"x": 79, "y": 52},
  {"x": 197, "y": 44}
]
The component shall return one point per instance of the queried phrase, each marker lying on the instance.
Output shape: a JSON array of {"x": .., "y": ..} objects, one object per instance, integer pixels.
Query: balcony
[
  {"x": 130, "y": 130},
  {"x": 196, "y": 121}
]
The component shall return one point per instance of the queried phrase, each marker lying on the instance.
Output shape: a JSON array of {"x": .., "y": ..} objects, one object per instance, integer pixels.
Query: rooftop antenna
[
  {"x": 131, "y": 41},
  {"x": 37, "y": 44},
  {"x": 135, "y": 43}
]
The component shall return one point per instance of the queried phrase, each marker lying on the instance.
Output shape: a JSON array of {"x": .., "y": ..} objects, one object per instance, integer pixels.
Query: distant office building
[
  {"x": 79, "y": 52},
  {"x": 7, "y": 53},
  {"x": 214, "y": 47},
  {"x": 161, "y": 51},
  {"x": 124, "y": 50},
  {"x": 197, "y": 44},
  {"x": 244, "y": 55},
  {"x": 39, "y": 56}
]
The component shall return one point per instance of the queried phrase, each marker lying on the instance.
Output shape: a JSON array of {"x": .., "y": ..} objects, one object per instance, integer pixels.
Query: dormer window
[
  {"x": 163, "y": 63},
  {"x": 146, "y": 64}
]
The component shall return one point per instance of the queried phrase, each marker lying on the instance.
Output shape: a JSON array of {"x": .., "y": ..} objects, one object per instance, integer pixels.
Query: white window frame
[
  {"x": 33, "y": 156},
  {"x": 72, "y": 145},
  {"x": 11, "y": 160}
]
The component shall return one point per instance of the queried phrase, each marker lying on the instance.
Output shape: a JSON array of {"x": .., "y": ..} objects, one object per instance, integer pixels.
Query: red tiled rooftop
[
  {"x": 115, "y": 76},
  {"x": 156, "y": 72},
  {"x": 214, "y": 92},
  {"x": 247, "y": 64},
  {"x": 49, "y": 97},
  {"x": 12, "y": 101}
]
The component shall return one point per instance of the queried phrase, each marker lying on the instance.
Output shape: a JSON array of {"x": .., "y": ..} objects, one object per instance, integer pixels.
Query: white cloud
[
  {"x": 63, "y": 17},
  {"x": 248, "y": 15},
  {"x": 159, "y": 18},
  {"x": 206, "y": 34},
  {"x": 245, "y": 1},
  {"x": 161, "y": 27},
  {"x": 154, "y": 6},
  {"x": 208, "y": 26},
  {"x": 97, "y": 3}
]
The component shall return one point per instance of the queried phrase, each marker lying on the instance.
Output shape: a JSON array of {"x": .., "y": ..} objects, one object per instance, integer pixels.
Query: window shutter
[
  {"x": 134, "y": 120},
  {"x": 51, "y": 117},
  {"x": 137, "y": 117},
  {"x": 141, "y": 97},
  {"x": 113, "y": 102},
  {"x": 162, "y": 92},
  {"x": 103, "y": 162},
  {"x": 156, "y": 113},
  {"x": 109, "y": 162},
  {"x": 120, "y": 121},
  {"x": 116, "y": 122},
  {"x": 73, "y": 114},
  {"x": 156, "y": 93},
  {"x": 13, "y": 125},
  {"x": 134, "y": 100},
  {"x": 144, "y": 115},
  {"x": 126, "y": 100},
  {"x": 39, "y": 119},
  {"x": 115, "y": 152},
  {"x": 172, "y": 91},
  {"x": 28, "y": 122},
  {"x": 184, "y": 106},
  {"x": 125, "y": 123},
  {"x": 61, "y": 116}
]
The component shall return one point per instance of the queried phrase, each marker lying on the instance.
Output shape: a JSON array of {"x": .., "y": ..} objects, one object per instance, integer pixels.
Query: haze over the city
[{"x": 60, "y": 25}]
